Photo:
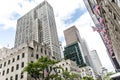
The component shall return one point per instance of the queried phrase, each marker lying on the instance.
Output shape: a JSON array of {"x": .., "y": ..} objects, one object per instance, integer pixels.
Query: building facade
[
  {"x": 97, "y": 67},
  {"x": 39, "y": 25},
  {"x": 12, "y": 64},
  {"x": 73, "y": 49},
  {"x": 105, "y": 14},
  {"x": 72, "y": 35},
  {"x": 71, "y": 66},
  {"x": 74, "y": 53}
]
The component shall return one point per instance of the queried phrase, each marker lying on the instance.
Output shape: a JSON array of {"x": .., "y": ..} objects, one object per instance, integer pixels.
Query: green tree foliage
[
  {"x": 107, "y": 76},
  {"x": 39, "y": 69},
  {"x": 87, "y": 78},
  {"x": 69, "y": 76}
]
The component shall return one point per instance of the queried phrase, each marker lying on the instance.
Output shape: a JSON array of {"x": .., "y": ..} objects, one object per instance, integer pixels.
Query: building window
[
  {"x": 4, "y": 63},
  {"x": 22, "y": 75},
  {"x": 32, "y": 55},
  {"x": 11, "y": 78},
  {"x": 17, "y": 66},
  {"x": 13, "y": 60},
  {"x": 66, "y": 69},
  {"x": 22, "y": 65},
  {"x": 7, "y": 71},
  {"x": 18, "y": 57},
  {"x": 3, "y": 73},
  {"x": 37, "y": 56},
  {"x": 16, "y": 77},
  {"x": 23, "y": 55},
  {"x": 12, "y": 68},
  {"x": 8, "y": 62},
  {"x": 45, "y": 52},
  {"x": 0, "y": 65},
  {"x": 6, "y": 79},
  {"x": 49, "y": 53},
  {"x": 41, "y": 50}
]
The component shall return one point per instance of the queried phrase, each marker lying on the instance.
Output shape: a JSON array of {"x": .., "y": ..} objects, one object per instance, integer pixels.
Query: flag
[
  {"x": 95, "y": 9},
  {"x": 100, "y": 20},
  {"x": 96, "y": 29}
]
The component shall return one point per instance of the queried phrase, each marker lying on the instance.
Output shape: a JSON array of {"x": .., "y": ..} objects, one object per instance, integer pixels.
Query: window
[
  {"x": 3, "y": 73},
  {"x": 12, "y": 68},
  {"x": 32, "y": 55},
  {"x": 37, "y": 56},
  {"x": 0, "y": 65},
  {"x": 8, "y": 62},
  {"x": 22, "y": 75},
  {"x": 6, "y": 79},
  {"x": 4, "y": 63},
  {"x": 66, "y": 69},
  {"x": 16, "y": 77},
  {"x": 17, "y": 66},
  {"x": 45, "y": 52},
  {"x": 22, "y": 65},
  {"x": 41, "y": 50},
  {"x": 7, "y": 71},
  {"x": 13, "y": 60},
  {"x": 11, "y": 78},
  {"x": 23, "y": 55},
  {"x": 18, "y": 57}
]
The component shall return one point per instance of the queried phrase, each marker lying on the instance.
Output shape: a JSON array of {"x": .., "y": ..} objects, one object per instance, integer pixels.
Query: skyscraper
[
  {"x": 39, "y": 25},
  {"x": 72, "y": 35},
  {"x": 73, "y": 50},
  {"x": 97, "y": 66}
]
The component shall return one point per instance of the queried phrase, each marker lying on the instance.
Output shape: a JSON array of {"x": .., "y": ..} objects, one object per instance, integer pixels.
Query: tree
[
  {"x": 107, "y": 76},
  {"x": 87, "y": 78},
  {"x": 69, "y": 76},
  {"x": 40, "y": 69}
]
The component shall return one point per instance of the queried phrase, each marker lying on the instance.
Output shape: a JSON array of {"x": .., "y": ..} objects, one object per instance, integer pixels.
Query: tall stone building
[
  {"x": 72, "y": 35},
  {"x": 73, "y": 49},
  {"x": 15, "y": 59},
  {"x": 39, "y": 25},
  {"x": 106, "y": 16}
]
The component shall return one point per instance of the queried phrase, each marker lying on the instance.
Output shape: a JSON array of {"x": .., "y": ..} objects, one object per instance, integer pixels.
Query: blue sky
[{"x": 72, "y": 12}]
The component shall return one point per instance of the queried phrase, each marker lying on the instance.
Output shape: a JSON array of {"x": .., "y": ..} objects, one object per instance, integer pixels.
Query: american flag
[
  {"x": 95, "y": 9},
  {"x": 100, "y": 20},
  {"x": 96, "y": 29}
]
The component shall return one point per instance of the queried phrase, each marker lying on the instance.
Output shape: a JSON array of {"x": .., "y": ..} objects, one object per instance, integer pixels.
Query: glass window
[
  {"x": 22, "y": 65},
  {"x": 23, "y": 55},
  {"x": 4, "y": 63},
  {"x": 66, "y": 69},
  {"x": 3, "y": 73},
  {"x": 45, "y": 52},
  {"x": 12, "y": 68},
  {"x": 17, "y": 66},
  {"x": 13, "y": 60},
  {"x": 8, "y": 62},
  {"x": 7, "y": 71},
  {"x": 37, "y": 56},
  {"x": 41, "y": 50},
  {"x": 18, "y": 57},
  {"x": 0, "y": 65},
  {"x": 32, "y": 55},
  {"x": 22, "y": 75},
  {"x": 11, "y": 78},
  {"x": 16, "y": 77},
  {"x": 6, "y": 79}
]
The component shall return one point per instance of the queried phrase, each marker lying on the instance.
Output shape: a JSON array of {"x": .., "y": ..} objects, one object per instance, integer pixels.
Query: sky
[{"x": 67, "y": 13}]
